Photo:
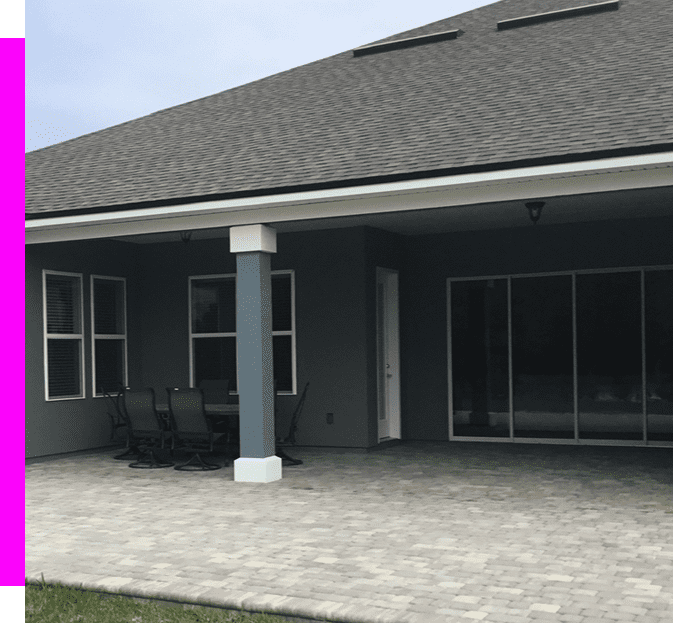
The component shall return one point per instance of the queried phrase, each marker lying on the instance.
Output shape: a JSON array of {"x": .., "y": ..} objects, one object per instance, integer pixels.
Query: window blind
[
  {"x": 63, "y": 304},
  {"x": 63, "y": 359}
]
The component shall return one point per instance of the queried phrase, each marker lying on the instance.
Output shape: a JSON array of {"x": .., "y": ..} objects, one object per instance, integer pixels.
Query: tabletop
[{"x": 214, "y": 409}]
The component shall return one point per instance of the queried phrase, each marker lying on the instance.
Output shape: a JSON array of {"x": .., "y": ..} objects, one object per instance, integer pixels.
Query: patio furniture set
[{"x": 194, "y": 420}]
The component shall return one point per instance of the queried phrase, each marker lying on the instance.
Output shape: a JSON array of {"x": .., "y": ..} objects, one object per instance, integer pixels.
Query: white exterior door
[{"x": 388, "y": 353}]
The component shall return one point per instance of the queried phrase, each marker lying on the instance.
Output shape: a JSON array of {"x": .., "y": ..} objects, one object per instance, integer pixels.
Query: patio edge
[{"x": 292, "y": 609}]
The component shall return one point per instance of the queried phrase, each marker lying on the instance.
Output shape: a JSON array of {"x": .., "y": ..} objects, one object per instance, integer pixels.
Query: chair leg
[
  {"x": 280, "y": 453},
  {"x": 199, "y": 465},
  {"x": 149, "y": 460},
  {"x": 132, "y": 450},
  {"x": 132, "y": 453}
]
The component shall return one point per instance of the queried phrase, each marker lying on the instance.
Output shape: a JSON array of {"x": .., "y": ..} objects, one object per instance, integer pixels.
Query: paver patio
[{"x": 420, "y": 532}]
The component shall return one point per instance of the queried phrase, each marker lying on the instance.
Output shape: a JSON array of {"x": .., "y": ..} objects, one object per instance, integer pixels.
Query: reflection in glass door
[
  {"x": 480, "y": 361},
  {"x": 542, "y": 357},
  {"x": 659, "y": 354},
  {"x": 609, "y": 359}
]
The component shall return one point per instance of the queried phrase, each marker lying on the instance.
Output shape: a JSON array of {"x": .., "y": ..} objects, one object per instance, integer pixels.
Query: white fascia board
[{"x": 604, "y": 175}]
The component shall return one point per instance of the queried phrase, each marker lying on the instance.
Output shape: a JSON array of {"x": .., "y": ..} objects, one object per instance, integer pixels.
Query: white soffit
[{"x": 596, "y": 176}]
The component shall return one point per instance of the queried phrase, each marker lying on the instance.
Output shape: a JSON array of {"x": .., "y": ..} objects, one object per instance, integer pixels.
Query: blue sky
[{"x": 91, "y": 64}]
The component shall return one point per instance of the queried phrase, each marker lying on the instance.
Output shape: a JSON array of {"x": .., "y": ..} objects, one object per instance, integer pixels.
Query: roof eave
[{"x": 600, "y": 175}]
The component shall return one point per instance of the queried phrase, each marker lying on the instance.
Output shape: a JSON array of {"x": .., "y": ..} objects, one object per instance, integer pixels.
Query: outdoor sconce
[
  {"x": 534, "y": 209},
  {"x": 185, "y": 236}
]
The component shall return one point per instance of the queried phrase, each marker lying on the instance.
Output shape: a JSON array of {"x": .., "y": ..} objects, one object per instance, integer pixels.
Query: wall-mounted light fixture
[
  {"x": 534, "y": 209},
  {"x": 185, "y": 236}
]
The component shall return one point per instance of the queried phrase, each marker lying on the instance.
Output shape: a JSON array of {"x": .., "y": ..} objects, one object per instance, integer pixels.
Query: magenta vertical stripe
[{"x": 12, "y": 52}]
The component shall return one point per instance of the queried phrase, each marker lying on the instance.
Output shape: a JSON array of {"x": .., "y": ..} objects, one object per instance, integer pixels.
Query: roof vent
[
  {"x": 612, "y": 5},
  {"x": 406, "y": 43}
]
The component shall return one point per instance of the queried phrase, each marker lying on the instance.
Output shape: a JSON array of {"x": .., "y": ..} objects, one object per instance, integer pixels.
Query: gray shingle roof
[{"x": 564, "y": 88}]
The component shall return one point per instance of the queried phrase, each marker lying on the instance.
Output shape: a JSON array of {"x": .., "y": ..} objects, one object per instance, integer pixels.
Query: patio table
[
  {"x": 215, "y": 410},
  {"x": 211, "y": 409}
]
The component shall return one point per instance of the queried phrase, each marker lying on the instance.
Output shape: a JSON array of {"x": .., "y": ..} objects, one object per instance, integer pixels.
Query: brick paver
[{"x": 417, "y": 532}]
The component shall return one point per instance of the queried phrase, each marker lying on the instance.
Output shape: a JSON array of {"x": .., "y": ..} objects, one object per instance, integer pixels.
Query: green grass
[{"x": 55, "y": 603}]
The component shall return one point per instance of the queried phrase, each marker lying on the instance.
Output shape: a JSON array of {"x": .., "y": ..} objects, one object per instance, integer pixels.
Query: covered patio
[
  {"x": 446, "y": 247},
  {"x": 505, "y": 330},
  {"x": 418, "y": 532}
]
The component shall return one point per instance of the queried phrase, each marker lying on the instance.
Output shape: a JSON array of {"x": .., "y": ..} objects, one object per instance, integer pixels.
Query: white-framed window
[
  {"x": 212, "y": 329},
  {"x": 63, "y": 335},
  {"x": 108, "y": 333}
]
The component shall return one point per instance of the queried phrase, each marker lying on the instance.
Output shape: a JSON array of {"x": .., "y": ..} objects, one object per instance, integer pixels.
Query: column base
[{"x": 258, "y": 470}]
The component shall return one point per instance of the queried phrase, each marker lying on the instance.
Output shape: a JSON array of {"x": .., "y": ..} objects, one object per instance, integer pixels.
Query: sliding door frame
[{"x": 547, "y": 440}]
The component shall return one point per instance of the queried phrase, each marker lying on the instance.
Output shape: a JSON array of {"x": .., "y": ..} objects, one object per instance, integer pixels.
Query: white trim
[
  {"x": 249, "y": 469},
  {"x": 292, "y": 332},
  {"x": 62, "y": 336},
  {"x": 95, "y": 336},
  {"x": 248, "y": 238},
  {"x": 594, "y": 176}
]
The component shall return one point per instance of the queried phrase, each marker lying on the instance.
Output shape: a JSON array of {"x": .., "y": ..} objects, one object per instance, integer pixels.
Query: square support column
[{"x": 253, "y": 245}]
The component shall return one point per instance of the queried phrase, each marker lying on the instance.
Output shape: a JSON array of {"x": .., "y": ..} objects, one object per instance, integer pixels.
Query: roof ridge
[
  {"x": 547, "y": 16},
  {"x": 407, "y": 43}
]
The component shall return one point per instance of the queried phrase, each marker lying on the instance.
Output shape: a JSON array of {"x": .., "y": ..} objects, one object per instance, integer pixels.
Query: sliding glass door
[
  {"x": 659, "y": 355},
  {"x": 542, "y": 357},
  {"x": 480, "y": 358},
  {"x": 565, "y": 357},
  {"x": 609, "y": 355}
]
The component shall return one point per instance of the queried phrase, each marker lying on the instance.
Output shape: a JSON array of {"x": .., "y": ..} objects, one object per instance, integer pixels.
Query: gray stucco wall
[
  {"x": 331, "y": 335},
  {"x": 430, "y": 260},
  {"x": 330, "y": 324},
  {"x": 331, "y": 330},
  {"x": 70, "y": 425}
]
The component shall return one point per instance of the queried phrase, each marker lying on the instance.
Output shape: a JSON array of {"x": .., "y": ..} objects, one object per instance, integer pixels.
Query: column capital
[{"x": 246, "y": 238}]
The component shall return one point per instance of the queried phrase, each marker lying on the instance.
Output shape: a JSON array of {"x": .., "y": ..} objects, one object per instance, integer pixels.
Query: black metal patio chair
[
  {"x": 283, "y": 442},
  {"x": 216, "y": 392},
  {"x": 191, "y": 428},
  {"x": 147, "y": 427},
  {"x": 119, "y": 420}
]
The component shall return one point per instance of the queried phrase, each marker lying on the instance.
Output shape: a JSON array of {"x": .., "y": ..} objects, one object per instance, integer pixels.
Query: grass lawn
[{"x": 54, "y": 603}]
